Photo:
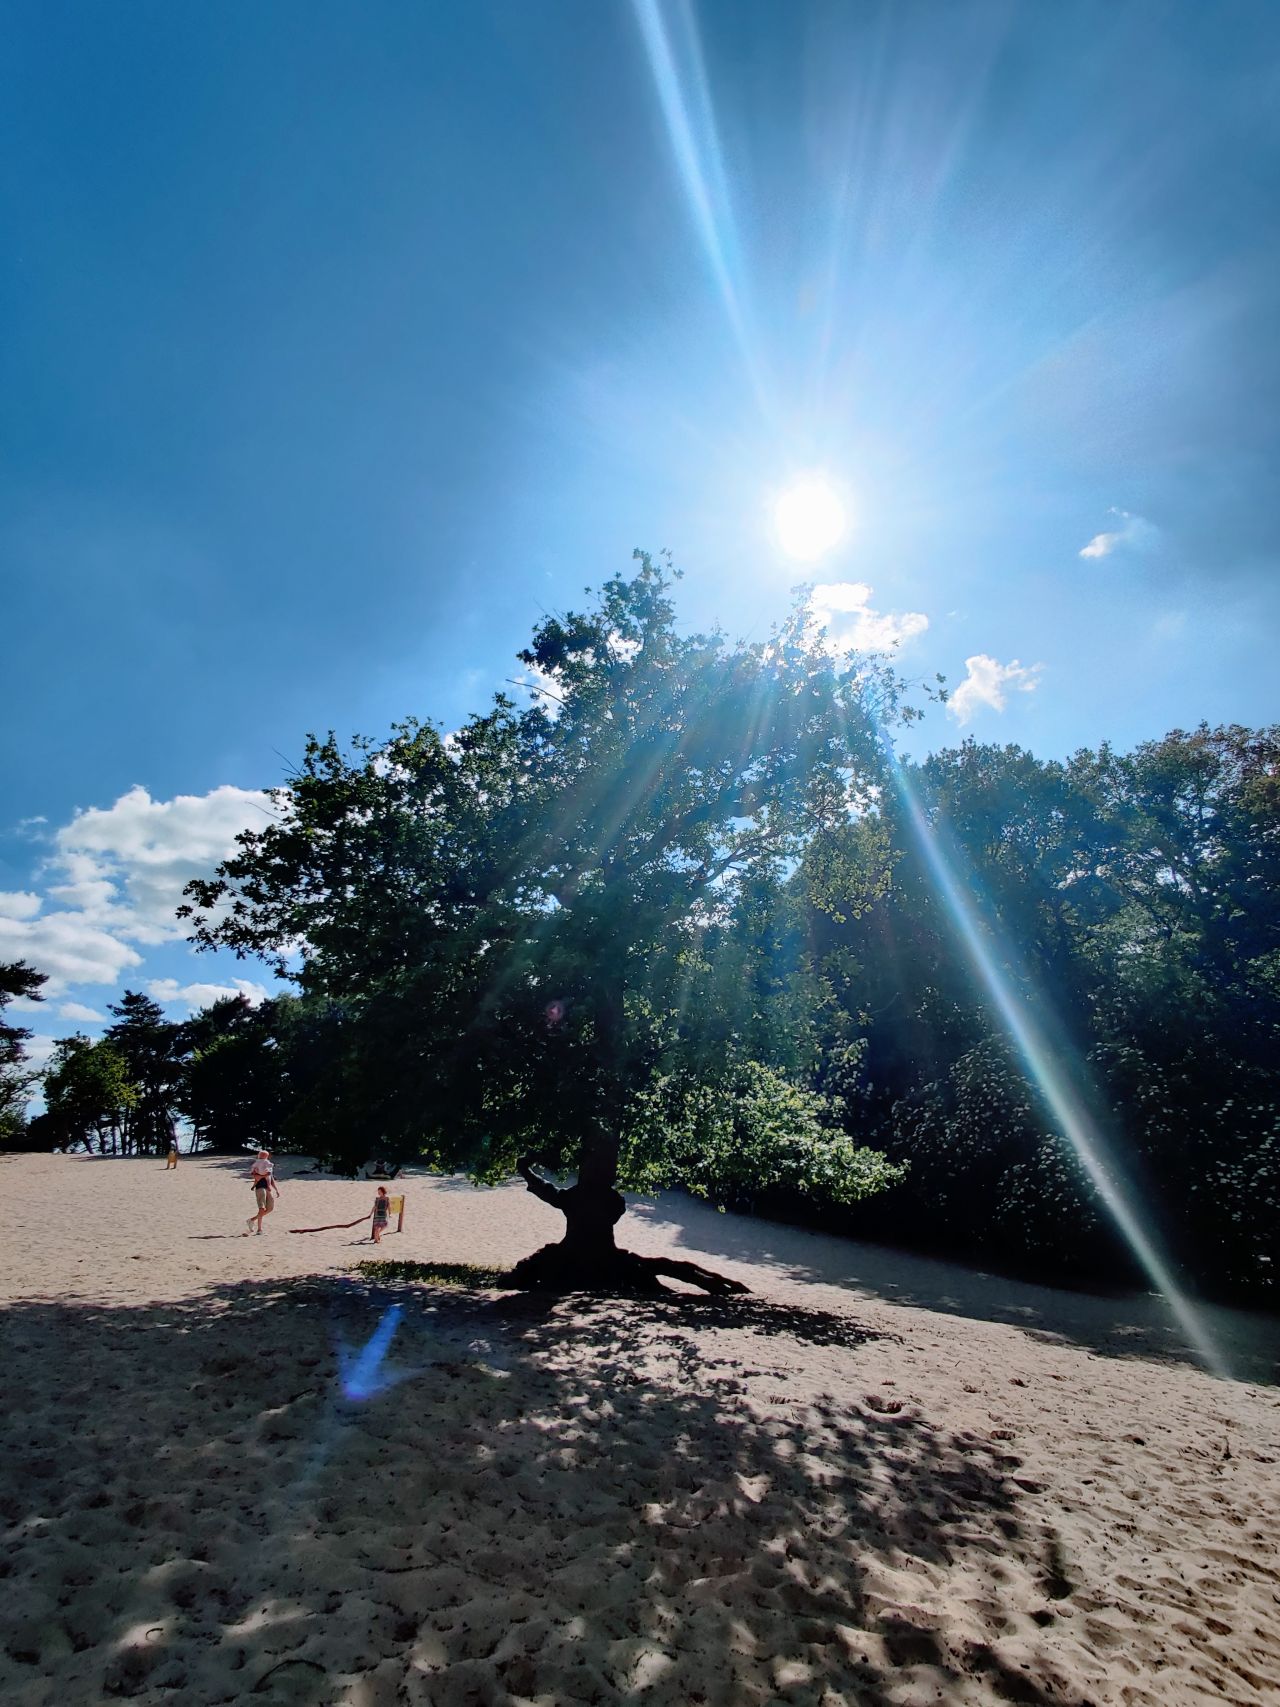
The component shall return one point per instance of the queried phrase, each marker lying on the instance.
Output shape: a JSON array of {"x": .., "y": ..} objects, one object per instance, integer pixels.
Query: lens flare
[
  {"x": 1048, "y": 1074},
  {"x": 674, "y": 53},
  {"x": 363, "y": 1375}
]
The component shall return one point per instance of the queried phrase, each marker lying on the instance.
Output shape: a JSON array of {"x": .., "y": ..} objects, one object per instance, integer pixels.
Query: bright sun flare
[{"x": 809, "y": 518}]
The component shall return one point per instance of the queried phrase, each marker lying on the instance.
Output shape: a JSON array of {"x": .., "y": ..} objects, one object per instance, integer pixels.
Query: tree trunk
[{"x": 588, "y": 1259}]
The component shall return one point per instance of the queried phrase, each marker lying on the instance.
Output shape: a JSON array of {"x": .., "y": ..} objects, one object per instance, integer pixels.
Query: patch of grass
[{"x": 435, "y": 1273}]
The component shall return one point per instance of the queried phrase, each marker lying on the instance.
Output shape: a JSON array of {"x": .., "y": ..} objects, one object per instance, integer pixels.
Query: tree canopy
[{"x": 516, "y": 924}]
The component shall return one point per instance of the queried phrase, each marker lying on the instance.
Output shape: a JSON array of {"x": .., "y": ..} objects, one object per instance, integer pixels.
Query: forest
[{"x": 690, "y": 919}]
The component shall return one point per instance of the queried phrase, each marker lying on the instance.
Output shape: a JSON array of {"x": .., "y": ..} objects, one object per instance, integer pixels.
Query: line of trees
[
  {"x": 225, "y": 1079},
  {"x": 1132, "y": 904},
  {"x": 676, "y": 924}
]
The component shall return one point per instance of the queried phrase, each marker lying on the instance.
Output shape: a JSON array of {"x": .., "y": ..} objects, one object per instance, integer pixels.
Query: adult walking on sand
[{"x": 263, "y": 1177}]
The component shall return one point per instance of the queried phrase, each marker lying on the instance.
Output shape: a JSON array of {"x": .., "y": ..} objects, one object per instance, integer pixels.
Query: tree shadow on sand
[
  {"x": 742, "y": 1313},
  {"x": 329, "y": 1492},
  {"x": 1126, "y": 1325}
]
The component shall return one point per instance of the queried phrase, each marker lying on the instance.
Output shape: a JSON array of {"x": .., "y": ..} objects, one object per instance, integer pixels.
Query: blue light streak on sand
[
  {"x": 1048, "y": 1075},
  {"x": 363, "y": 1375}
]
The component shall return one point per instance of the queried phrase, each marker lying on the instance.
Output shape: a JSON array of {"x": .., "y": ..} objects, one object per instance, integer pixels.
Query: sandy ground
[{"x": 234, "y": 1471}]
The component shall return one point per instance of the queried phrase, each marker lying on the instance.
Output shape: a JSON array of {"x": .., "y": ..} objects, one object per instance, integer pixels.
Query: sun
[{"x": 809, "y": 518}]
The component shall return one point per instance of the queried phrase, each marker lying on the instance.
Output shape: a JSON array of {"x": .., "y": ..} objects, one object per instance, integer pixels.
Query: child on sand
[
  {"x": 264, "y": 1183},
  {"x": 381, "y": 1214},
  {"x": 172, "y": 1161}
]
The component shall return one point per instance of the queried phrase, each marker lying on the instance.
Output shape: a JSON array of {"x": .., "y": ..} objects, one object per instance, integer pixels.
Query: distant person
[
  {"x": 263, "y": 1177},
  {"x": 381, "y": 1214},
  {"x": 172, "y": 1160}
]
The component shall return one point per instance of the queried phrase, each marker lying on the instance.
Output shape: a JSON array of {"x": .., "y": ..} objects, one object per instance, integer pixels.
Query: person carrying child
[
  {"x": 263, "y": 1177},
  {"x": 381, "y": 1214}
]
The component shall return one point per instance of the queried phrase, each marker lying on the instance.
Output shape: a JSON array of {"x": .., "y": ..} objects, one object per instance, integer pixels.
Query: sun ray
[
  {"x": 684, "y": 97},
  {"x": 1066, "y": 1102}
]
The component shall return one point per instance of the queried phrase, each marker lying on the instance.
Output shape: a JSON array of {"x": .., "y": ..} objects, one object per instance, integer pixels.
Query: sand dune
[{"x": 234, "y": 1471}]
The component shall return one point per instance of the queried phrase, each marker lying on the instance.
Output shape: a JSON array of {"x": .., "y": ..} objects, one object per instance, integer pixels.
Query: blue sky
[{"x": 339, "y": 341}]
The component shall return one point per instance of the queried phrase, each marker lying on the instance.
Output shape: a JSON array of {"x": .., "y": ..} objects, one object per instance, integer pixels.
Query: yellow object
[{"x": 397, "y": 1208}]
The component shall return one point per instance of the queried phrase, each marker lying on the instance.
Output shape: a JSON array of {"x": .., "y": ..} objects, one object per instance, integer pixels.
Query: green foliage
[
  {"x": 521, "y": 930},
  {"x": 235, "y": 1090},
  {"x": 754, "y": 1139},
  {"x": 460, "y": 1274},
  {"x": 88, "y": 1096},
  {"x": 997, "y": 1177},
  {"x": 674, "y": 923},
  {"x": 17, "y": 1079},
  {"x": 152, "y": 1051},
  {"x": 1203, "y": 1123},
  {"x": 1131, "y": 906},
  {"x": 120, "y": 1095}
]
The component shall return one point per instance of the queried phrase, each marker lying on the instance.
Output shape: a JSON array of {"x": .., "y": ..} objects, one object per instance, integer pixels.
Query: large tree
[
  {"x": 234, "y": 1088},
  {"x": 153, "y": 1050},
  {"x": 88, "y": 1096},
  {"x": 515, "y": 925}
]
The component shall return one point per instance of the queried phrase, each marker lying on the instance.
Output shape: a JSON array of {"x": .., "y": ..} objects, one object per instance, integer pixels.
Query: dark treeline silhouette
[
  {"x": 17, "y": 1077},
  {"x": 1131, "y": 905},
  {"x": 682, "y": 922}
]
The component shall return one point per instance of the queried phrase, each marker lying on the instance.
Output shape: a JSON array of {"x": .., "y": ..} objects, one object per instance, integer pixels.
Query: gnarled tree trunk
[{"x": 588, "y": 1259}]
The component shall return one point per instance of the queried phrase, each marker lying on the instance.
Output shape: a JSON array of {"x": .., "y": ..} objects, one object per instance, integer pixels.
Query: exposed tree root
[{"x": 565, "y": 1268}]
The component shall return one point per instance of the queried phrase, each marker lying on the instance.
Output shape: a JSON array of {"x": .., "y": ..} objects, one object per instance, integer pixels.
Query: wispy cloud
[
  {"x": 78, "y": 1010},
  {"x": 1132, "y": 533},
  {"x": 841, "y": 611},
  {"x": 1169, "y": 625},
  {"x": 988, "y": 682}
]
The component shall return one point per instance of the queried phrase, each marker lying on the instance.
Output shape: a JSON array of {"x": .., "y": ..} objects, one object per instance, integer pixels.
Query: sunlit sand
[{"x": 876, "y": 1479}]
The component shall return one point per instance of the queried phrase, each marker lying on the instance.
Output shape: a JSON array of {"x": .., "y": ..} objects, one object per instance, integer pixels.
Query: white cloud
[
  {"x": 36, "y": 1051},
  {"x": 1133, "y": 533},
  {"x": 125, "y": 866},
  {"x": 194, "y": 996},
  {"x": 116, "y": 875},
  {"x": 77, "y": 1010},
  {"x": 19, "y": 904},
  {"x": 988, "y": 682},
  {"x": 841, "y": 611},
  {"x": 544, "y": 686},
  {"x": 68, "y": 947},
  {"x": 381, "y": 765}
]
